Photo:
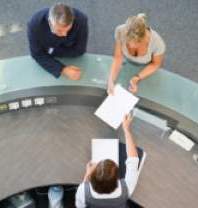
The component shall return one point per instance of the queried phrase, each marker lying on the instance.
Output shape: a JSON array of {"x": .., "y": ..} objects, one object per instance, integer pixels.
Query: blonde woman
[{"x": 139, "y": 44}]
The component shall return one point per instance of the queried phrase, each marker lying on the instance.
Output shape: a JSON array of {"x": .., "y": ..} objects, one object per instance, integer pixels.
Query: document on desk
[
  {"x": 115, "y": 107},
  {"x": 105, "y": 149}
]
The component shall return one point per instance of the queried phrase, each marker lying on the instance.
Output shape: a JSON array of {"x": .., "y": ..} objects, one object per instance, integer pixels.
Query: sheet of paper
[
  {"x": 182, "y": 140},
  {"x": 115, "y": 107},
  {"x": 105, "y": 149}
]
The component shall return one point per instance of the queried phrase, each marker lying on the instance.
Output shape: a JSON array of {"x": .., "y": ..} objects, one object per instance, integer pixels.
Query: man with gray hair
[{"x": 60, "y": 31}]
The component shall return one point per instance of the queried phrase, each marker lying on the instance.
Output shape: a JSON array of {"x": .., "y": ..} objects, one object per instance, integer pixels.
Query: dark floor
[
  {"x": 52, "y": 145},
  {"x": 175, "y": 20}
]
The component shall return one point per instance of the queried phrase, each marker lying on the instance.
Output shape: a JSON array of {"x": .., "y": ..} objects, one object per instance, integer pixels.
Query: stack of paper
[
  {"x": 115, "y": 107},
  {"x": 105, "y": 149}
]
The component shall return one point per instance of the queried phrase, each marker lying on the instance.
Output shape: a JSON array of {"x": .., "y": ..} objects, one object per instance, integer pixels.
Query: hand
[
  {"x": 72, "y": 72},
  {"x": 134, "y": 84},
  {"x": 127, "y": 122},
  {"x": 90, "y": 167},
  {"x": 110, "y": 88}
]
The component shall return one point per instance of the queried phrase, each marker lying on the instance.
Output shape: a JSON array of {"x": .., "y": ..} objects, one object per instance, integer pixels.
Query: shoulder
[
  {"x": 156, "y": 36},
  {"x": 119, "y": 31},
  {"x": 82, "y": 185},
  {"x": 81, "y": 190},
  {"x": 79, "y": 16},
  {"x": 158, "y": 44},
  {"x": 80, "y": 21},
  {"x": 120, "y": 27},
  {"x": 38, "y": 19},
  {"x": 80, "y": 196}
]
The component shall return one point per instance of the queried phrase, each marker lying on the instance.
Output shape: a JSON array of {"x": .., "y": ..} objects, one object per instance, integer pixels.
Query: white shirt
[
  {"x": 131, "y": 177},
  {"x": 156, "y": 46}
]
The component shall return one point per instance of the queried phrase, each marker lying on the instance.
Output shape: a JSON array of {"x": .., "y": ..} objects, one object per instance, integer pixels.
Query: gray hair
[{"x": 61, "y": 14}]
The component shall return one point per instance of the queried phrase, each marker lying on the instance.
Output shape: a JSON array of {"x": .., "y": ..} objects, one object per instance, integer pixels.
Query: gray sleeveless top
[
  {"x": 120, "y": 202},
  {"x": 156, "y": 46}
]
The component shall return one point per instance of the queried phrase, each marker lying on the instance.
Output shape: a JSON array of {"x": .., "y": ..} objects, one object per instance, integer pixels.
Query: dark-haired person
[
  {"x": 60, "y": 31},
  {"x": 102, "y": 187}
]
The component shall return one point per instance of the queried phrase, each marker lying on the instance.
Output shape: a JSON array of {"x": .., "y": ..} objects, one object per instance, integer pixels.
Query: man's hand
[
  {"x": 134, "y": 84},
  {"x": 127, "y": 122},
  {"x": 72, "y": 72}
]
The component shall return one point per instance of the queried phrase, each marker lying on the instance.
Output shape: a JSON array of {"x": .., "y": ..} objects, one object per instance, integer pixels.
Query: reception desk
[
  {"x": 25, "y": 85},
  {"x": 165, "y": 94}
]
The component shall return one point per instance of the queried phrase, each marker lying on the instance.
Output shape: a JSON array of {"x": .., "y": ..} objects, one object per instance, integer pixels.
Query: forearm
[
  {"x": 50, "y": 64},
  {"x": 89, "y": 169},
  {"x": 148, "y": 70},
  {"x": 115, "y": 69},
  {"x": 86, "y": 177},
  {"x": 130, "y": 144}
]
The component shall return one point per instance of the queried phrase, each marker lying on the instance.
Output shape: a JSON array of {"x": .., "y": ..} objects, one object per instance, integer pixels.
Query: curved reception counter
[
  {"x": 164, "y": 93},
  {"x": 35, "y": 155}
]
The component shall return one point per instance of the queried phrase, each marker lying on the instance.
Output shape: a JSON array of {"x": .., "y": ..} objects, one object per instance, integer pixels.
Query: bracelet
[{"x": 137, "y": 75}]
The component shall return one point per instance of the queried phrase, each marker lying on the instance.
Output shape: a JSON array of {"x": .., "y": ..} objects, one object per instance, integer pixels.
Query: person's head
[
  {"x": 104, "y": 177},
  {"x": 136, "y": 27},
  {"x": 60, "y": 19}
]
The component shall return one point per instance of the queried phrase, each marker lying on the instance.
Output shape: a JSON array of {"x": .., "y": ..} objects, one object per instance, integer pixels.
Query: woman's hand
[
  {"x": 134, "y": 84},
  {"x": 110, "y": 87},
  {"x": 89, "y": 169},
  {"x": 130, "y": 144},
  {"x": 115, "y": 67},
  {"x": 127, "y": 122}
]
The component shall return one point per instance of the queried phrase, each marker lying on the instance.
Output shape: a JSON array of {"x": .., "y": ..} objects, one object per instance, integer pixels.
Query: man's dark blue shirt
[{"x": 45, "y": 46}]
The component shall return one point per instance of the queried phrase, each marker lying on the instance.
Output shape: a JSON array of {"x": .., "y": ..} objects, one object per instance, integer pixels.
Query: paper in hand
[{"x": 115, "y": 107}]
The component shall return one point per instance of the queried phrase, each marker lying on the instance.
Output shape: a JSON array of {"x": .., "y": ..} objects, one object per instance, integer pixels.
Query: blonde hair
[{"x": 136, "y": 27}]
